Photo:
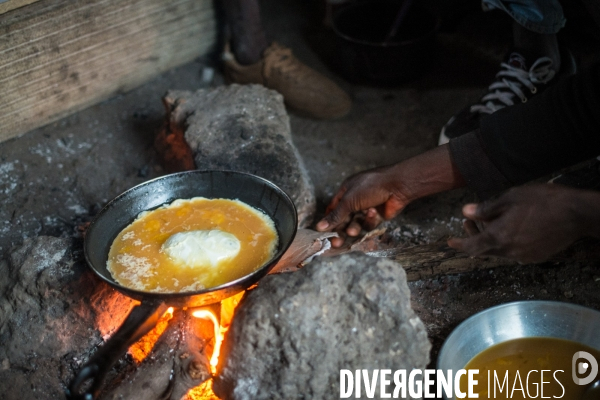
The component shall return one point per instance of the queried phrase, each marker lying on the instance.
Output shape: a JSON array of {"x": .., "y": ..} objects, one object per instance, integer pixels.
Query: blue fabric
[{"x": 540, "y": 16}]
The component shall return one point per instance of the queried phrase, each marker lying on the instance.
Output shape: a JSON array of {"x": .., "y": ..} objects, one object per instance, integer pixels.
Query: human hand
[
  {"x": 381, "y": 193},
  {"x": 377, "y": 193},
  {"x": 527, "y": 224}
]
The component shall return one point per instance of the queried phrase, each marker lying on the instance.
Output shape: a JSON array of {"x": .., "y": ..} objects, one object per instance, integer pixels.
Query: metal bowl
[{"x": 518, "y": 320}]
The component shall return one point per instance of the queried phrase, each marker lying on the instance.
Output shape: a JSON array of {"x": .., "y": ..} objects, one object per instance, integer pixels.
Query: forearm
[
  {"x": 478, "y": 171},
  {"x": 383, "y": 192},
  {"x": 586, "y": 208},
  {"x": 429, "y": 173}
]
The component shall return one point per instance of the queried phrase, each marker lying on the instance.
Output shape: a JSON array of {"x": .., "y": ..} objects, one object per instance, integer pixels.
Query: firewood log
[{"x": 176, "y": 363}]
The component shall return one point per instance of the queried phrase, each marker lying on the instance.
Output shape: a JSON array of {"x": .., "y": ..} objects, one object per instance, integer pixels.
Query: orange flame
[
  {"x": 227, "y": 308},
  {"x": 204, "y": 391},
  {"x": 207, "y": 314},
  {"x": 140, "y": 350}
]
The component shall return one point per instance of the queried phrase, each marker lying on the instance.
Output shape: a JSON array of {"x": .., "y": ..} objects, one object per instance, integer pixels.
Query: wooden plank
[
  {"x": 8, "y": 5},
  {"x": 429, "y": 260},
  {"x": 435, "y": 259},
  {"x": 57, "y": 56}
]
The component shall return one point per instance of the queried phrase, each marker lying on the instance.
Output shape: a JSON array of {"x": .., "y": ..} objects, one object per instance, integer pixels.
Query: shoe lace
[{"x": 512, "y": 81}]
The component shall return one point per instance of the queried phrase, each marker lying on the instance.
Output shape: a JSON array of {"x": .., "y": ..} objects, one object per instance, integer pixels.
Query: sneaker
[
  {"x": 303, "y": 88},
  {"x": 515, "y": 83},
  {"x": 587, "y": 177}
]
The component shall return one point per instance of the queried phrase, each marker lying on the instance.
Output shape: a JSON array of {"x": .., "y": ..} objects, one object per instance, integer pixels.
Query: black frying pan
[{"x": 121, "y": 211}]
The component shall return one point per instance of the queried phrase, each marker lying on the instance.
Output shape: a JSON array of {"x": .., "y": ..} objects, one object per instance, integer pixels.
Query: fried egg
[{"x": 192, "y": 244}]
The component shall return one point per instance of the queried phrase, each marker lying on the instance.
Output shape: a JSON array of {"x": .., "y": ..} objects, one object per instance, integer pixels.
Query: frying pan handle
[{"x": 140, "y": 321}]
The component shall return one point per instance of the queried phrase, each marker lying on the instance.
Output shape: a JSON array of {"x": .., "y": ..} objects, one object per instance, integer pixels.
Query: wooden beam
[
  {"x": 8, "y": 5},
  {"x": 60, "y": 56},
  {"x": 429, "y": 260}
]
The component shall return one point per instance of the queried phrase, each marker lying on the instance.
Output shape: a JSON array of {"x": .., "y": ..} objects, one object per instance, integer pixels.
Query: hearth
[{"x": 250, "y": 189}]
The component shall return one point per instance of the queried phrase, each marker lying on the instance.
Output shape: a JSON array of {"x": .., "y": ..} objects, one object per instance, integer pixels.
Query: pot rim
[
  {"x": 246, "y": 280},
  {"x": 421, "y": 38},
  {"x": 531, "y": 303}
]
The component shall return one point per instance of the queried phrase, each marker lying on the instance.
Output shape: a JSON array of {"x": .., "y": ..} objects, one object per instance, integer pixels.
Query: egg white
[{"x": 201, "y": 248}]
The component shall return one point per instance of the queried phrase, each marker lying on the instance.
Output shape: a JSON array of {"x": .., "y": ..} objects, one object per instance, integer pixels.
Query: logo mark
[{"x": 590, "y": 365}]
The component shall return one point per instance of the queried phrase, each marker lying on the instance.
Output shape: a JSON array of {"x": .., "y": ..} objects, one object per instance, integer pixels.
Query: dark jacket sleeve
[{"x": 556, "y": 129}]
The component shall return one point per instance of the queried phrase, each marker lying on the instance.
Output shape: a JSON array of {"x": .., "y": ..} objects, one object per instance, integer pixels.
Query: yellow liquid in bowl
[{"x": 524, "y": 359}]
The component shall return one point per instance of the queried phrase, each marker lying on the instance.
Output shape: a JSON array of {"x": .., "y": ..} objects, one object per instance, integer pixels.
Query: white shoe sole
[{"x": 443, "y": 138}]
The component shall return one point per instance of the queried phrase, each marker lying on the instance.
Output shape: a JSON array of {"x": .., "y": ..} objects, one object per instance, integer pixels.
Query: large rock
[
  {"x": 53, "y": 314},
  {"x": 243, "y": 128},
  {"x": 291, "y": 336}
]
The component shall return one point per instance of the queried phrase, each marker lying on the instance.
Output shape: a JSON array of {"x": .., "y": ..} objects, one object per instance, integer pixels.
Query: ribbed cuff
[
  {"x": 476, "y": 168},
  {"x": 545, "y": 17}
]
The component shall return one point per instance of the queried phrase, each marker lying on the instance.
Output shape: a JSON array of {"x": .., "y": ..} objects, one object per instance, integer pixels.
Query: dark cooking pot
[
  {"x": 365, "y": 55},
  {"x": 120, "y": 212}
]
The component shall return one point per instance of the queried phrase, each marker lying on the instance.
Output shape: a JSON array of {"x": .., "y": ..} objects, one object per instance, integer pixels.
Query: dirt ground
[{"x": 55, "y": 178}]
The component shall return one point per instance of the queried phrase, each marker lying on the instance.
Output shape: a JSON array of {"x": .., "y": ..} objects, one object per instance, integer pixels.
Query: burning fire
[
  {"x": 204, "y": 391},
  {"x": 219, "y": 334},
  {"x": 221, "y": 326},
  {"x": 140, "y": 350},
  {"x": 221, "y": 323},
  {"x": 143, "y": 347}
]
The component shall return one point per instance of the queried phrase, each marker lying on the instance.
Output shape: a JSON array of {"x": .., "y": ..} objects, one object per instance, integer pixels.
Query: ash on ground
[{"x": 55, "y": 179}]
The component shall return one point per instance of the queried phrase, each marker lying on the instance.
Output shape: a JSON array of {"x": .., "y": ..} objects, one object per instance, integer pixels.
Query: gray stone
[
  {"x": 53, "y": 313},
  {"x": 244, "y": 128},
  {"x": 291, "y": 336}
]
